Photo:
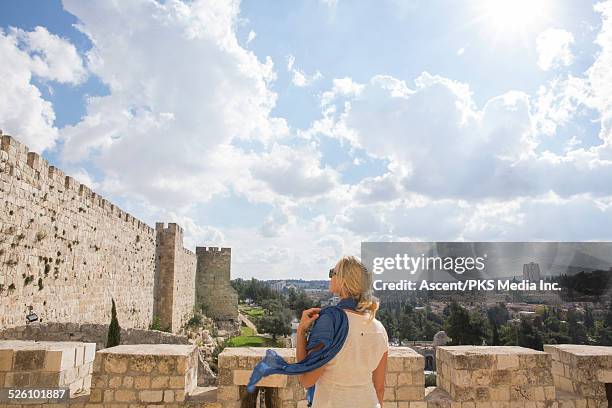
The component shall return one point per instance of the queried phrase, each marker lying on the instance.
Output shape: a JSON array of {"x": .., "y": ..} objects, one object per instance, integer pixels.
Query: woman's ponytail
[{"x": 369, "y": 303}]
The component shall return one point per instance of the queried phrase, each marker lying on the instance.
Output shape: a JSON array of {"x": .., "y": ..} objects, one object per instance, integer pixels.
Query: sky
[{"x": 293, "y": 131}]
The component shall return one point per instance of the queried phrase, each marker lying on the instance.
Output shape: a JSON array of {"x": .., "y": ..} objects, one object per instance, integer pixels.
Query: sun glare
[{"x": 513, "y": 17}]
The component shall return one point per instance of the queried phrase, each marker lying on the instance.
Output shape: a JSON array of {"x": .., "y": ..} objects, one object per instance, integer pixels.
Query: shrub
[
  {"x": 430, "y": 380},
  {"x": 155, "y": 324},
  {"x": 215, "y": 354},
  {"x": 195, "y": 321}
]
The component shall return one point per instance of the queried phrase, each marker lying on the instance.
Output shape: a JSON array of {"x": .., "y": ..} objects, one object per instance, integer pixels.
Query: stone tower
[
  {"x": 213, "y": 289},
  {"x": 175, "y": 269}
]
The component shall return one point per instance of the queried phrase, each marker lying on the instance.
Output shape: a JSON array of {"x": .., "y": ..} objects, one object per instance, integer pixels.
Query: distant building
[
  {"x": 527, "y": 315},
  {"x": 331, "y": 301},
  {"x": 531, "y": 271},
  {"x": 278, "y": 286}
]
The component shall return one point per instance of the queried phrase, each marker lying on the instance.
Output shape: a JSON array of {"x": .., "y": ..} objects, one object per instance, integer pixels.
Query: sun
[{"x": 512, "y": 18}]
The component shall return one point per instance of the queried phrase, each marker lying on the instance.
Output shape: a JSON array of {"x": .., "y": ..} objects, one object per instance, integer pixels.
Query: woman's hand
[{"x": 308, "y": 316}]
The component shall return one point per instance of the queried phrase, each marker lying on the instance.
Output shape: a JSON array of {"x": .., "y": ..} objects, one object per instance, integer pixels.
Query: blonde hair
[{"x": 356, "y": 280}]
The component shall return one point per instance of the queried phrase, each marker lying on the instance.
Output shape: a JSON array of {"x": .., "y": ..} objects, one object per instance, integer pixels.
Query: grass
[
  {"x": 248, "y": 339},
  {"x": 251, "y": 311}
]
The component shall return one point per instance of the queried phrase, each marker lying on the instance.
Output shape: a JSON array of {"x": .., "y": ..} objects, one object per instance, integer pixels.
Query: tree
[
  {"x": 575, "y": 328},
  {"x": 387, "y": 319},
  {"x": 299, "y": 301},
  {"x": 407, "y": 330},
  {"x": 495, "y": 340},
  {"x": 604, "y": 329},
  {"x": 114, "y": 331},
  {"x": 529, "y": 337},
  {"x": 498, "y": 314},
  {"x": 277, "y": 322},
  {"x": 465, "y": 328}
]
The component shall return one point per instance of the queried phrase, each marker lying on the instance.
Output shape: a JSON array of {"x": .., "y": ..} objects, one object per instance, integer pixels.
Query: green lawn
[
  {"x": 251, "y": 311},
  {"x": 247, "y": 339}
]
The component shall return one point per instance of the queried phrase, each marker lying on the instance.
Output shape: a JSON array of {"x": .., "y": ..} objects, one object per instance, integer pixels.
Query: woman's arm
[
  {"x": 310, "y": 378},
  {"x": 378, "y": 378}
]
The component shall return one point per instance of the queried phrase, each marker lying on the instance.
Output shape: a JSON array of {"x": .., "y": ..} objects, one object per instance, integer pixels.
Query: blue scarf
[{"x": 331, "y": 328}]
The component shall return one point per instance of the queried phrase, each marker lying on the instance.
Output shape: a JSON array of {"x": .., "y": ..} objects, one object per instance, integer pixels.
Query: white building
[{"x": 531, "y": 271}]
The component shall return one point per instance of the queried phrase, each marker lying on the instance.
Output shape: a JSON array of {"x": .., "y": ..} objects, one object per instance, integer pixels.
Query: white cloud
[
  {"x": 181, "y": 89},
  {"x": 449, "y": 148},
  {"x": 554, "y": 48},
  {"x": 600, "y": 74},
  {"x": 251, "y": 36},
  {"x": 300, "y": 79},
  {"x": 341, "y": 87},
  {"x": 295, "y": 172},
  {"x": 24, "y": 112},
  {"x": 276, "y": 223},
  {"x": 51, "y": 57}
]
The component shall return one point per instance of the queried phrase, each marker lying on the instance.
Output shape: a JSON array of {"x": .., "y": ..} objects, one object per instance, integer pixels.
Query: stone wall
[
  {"x": 404, "y": 384},
  {"x": 495, "y": 375},
  {"x": 165, "y": 375},
  {"x": 155, "y": 374},
  {"x": 213, "y": 288},
  {"x": 582, "y": 372},
  {"x": 174, "y": 277},
  {"x": 88, "y": 333},
  {"x": 65, "y": 250},
  {"x": 123, "y": 376},
  {"x": 29, "y": 364}
]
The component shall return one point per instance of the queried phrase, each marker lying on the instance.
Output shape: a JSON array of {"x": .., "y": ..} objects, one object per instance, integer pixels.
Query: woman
[{"x": 354, "y": 377}]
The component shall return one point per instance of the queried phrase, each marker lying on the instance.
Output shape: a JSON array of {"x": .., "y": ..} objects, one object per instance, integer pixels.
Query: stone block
[
  {"x": 151, "y": 395},
  {"x": 29, "y": 360},
  {"x": 241, "y": 377},
  {"x": 160, "y": 382},
  {"x": 6, "y": 360},
  {"x": 409, "y": 393},
  {"x": 168, "y": 396},
  {"x": 58, "y": 360},
  {"x": 228, "y": 393},
  {"x": 125, "y": 395},
  {"x": 115, "y": 364},
  {"x": 142, "y": 382}
]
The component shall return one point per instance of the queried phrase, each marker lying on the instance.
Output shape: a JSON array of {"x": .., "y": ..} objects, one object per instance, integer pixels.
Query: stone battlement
[
  {"x": 43, "y": 172},
  {"x": 214, "y": 249},
  {"x": 165, "y": 375}
]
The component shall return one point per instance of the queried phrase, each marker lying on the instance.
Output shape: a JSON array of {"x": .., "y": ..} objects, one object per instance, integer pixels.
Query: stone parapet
[
  {"x": 165, "y": 376},
  {"x": 504, "y": 375},
  {"x": 582, "y": 372},
  {"x": 28, "y": 364},
  {"x": 151, "y": 374}
]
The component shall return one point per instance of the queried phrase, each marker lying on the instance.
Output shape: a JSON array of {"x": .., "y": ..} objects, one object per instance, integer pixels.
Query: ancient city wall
[{"x": 65, "y": 250}]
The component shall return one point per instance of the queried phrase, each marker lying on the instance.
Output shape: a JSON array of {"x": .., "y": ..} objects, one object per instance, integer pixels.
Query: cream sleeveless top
[{"x": 346, "y": 380}]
